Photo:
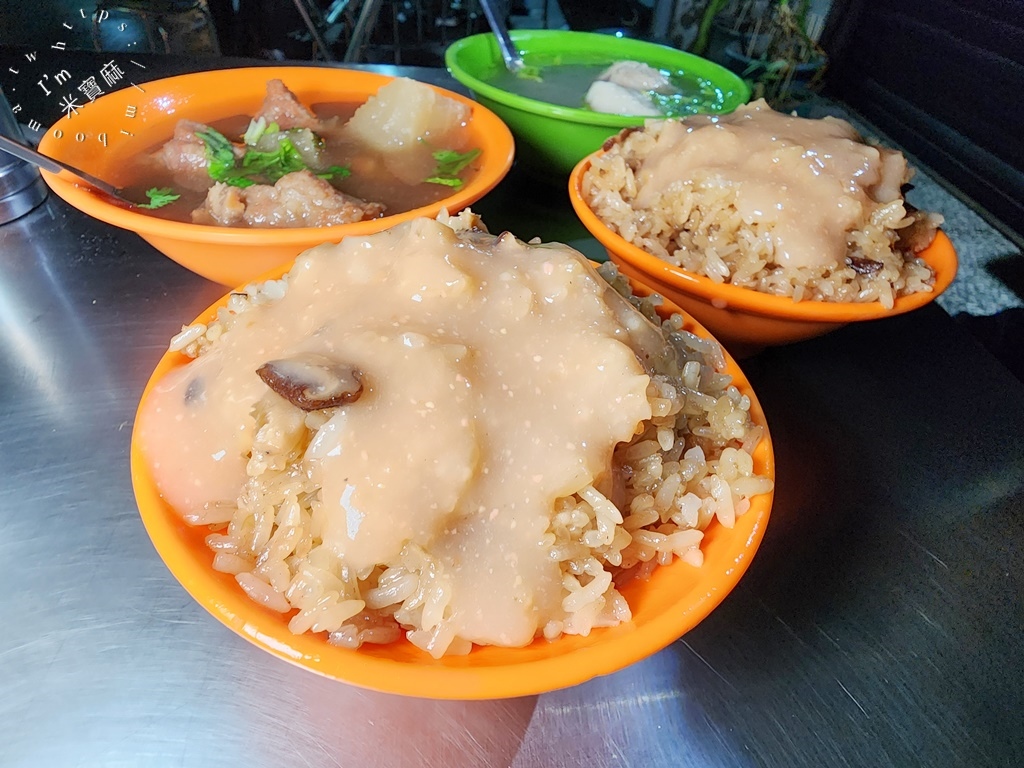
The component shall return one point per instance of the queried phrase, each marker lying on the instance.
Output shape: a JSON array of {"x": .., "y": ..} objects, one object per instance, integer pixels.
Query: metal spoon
[
  {"x": 513, "y": 61},
  {"x": 62, "y": 170}
]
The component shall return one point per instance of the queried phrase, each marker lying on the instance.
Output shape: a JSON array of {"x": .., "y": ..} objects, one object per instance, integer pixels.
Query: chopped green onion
[{"x": 257, "y": 127}]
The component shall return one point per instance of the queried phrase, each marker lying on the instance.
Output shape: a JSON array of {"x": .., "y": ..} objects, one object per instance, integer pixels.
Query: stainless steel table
[{"x": 881, "y": 623}]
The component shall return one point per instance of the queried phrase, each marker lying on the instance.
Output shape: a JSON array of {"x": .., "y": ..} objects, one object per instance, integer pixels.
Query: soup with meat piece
[
  {"x": 328, "y": 164},
  {"x": 615, "y": 87}
]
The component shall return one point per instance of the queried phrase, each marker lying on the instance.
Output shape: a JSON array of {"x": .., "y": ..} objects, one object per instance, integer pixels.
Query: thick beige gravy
[
  {"x": 810, "y": 180},
  {"x": 496, "y": 379}
]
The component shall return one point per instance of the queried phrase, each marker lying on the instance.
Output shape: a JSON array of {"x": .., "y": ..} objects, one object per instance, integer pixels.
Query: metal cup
[{"x": 21, "y": 186}]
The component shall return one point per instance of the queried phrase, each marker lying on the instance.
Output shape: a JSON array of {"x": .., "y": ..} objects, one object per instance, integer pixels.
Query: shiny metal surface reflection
[{"x": 21, "y": 186}]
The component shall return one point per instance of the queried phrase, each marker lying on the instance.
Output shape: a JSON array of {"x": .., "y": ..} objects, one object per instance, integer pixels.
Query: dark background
[{"x": 945, "y": 80}]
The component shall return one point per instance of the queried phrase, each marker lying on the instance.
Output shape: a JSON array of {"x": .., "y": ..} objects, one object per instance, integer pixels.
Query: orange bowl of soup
[{"x": 116, "y": 137}]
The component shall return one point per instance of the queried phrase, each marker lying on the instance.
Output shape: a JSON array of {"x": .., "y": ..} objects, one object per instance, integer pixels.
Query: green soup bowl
[{"x": 552, "y": 138}]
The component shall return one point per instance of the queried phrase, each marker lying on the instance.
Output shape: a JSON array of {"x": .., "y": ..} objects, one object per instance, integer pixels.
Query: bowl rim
[
  {"x": 940, "y": 255},
  {"x": 572, "y": 114},
  {"x": 490, "y": 174},
  {"x": 605, "y": 651}
]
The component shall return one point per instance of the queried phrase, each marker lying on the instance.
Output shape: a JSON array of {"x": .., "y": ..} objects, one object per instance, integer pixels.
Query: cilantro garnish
[
  {"x": 449, "y": 165},
  {"x": 220, "y": 158},
  {"x": 255, "y": 165},
  {"x": 274, "y": 164},
  {"x": 339, "y": 171},
  {"x": 159, "y": 197}
]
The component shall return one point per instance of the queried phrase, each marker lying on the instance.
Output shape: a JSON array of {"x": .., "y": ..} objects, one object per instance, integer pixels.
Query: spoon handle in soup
[
  {"x": 513, "y": 61},
  {"x": 29, "y": 155}
]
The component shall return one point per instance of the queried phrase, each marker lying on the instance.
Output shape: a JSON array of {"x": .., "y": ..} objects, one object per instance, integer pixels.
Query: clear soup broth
[
  {"x": 566, "y": 84},
  {"x": 372, "y": 176}
]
